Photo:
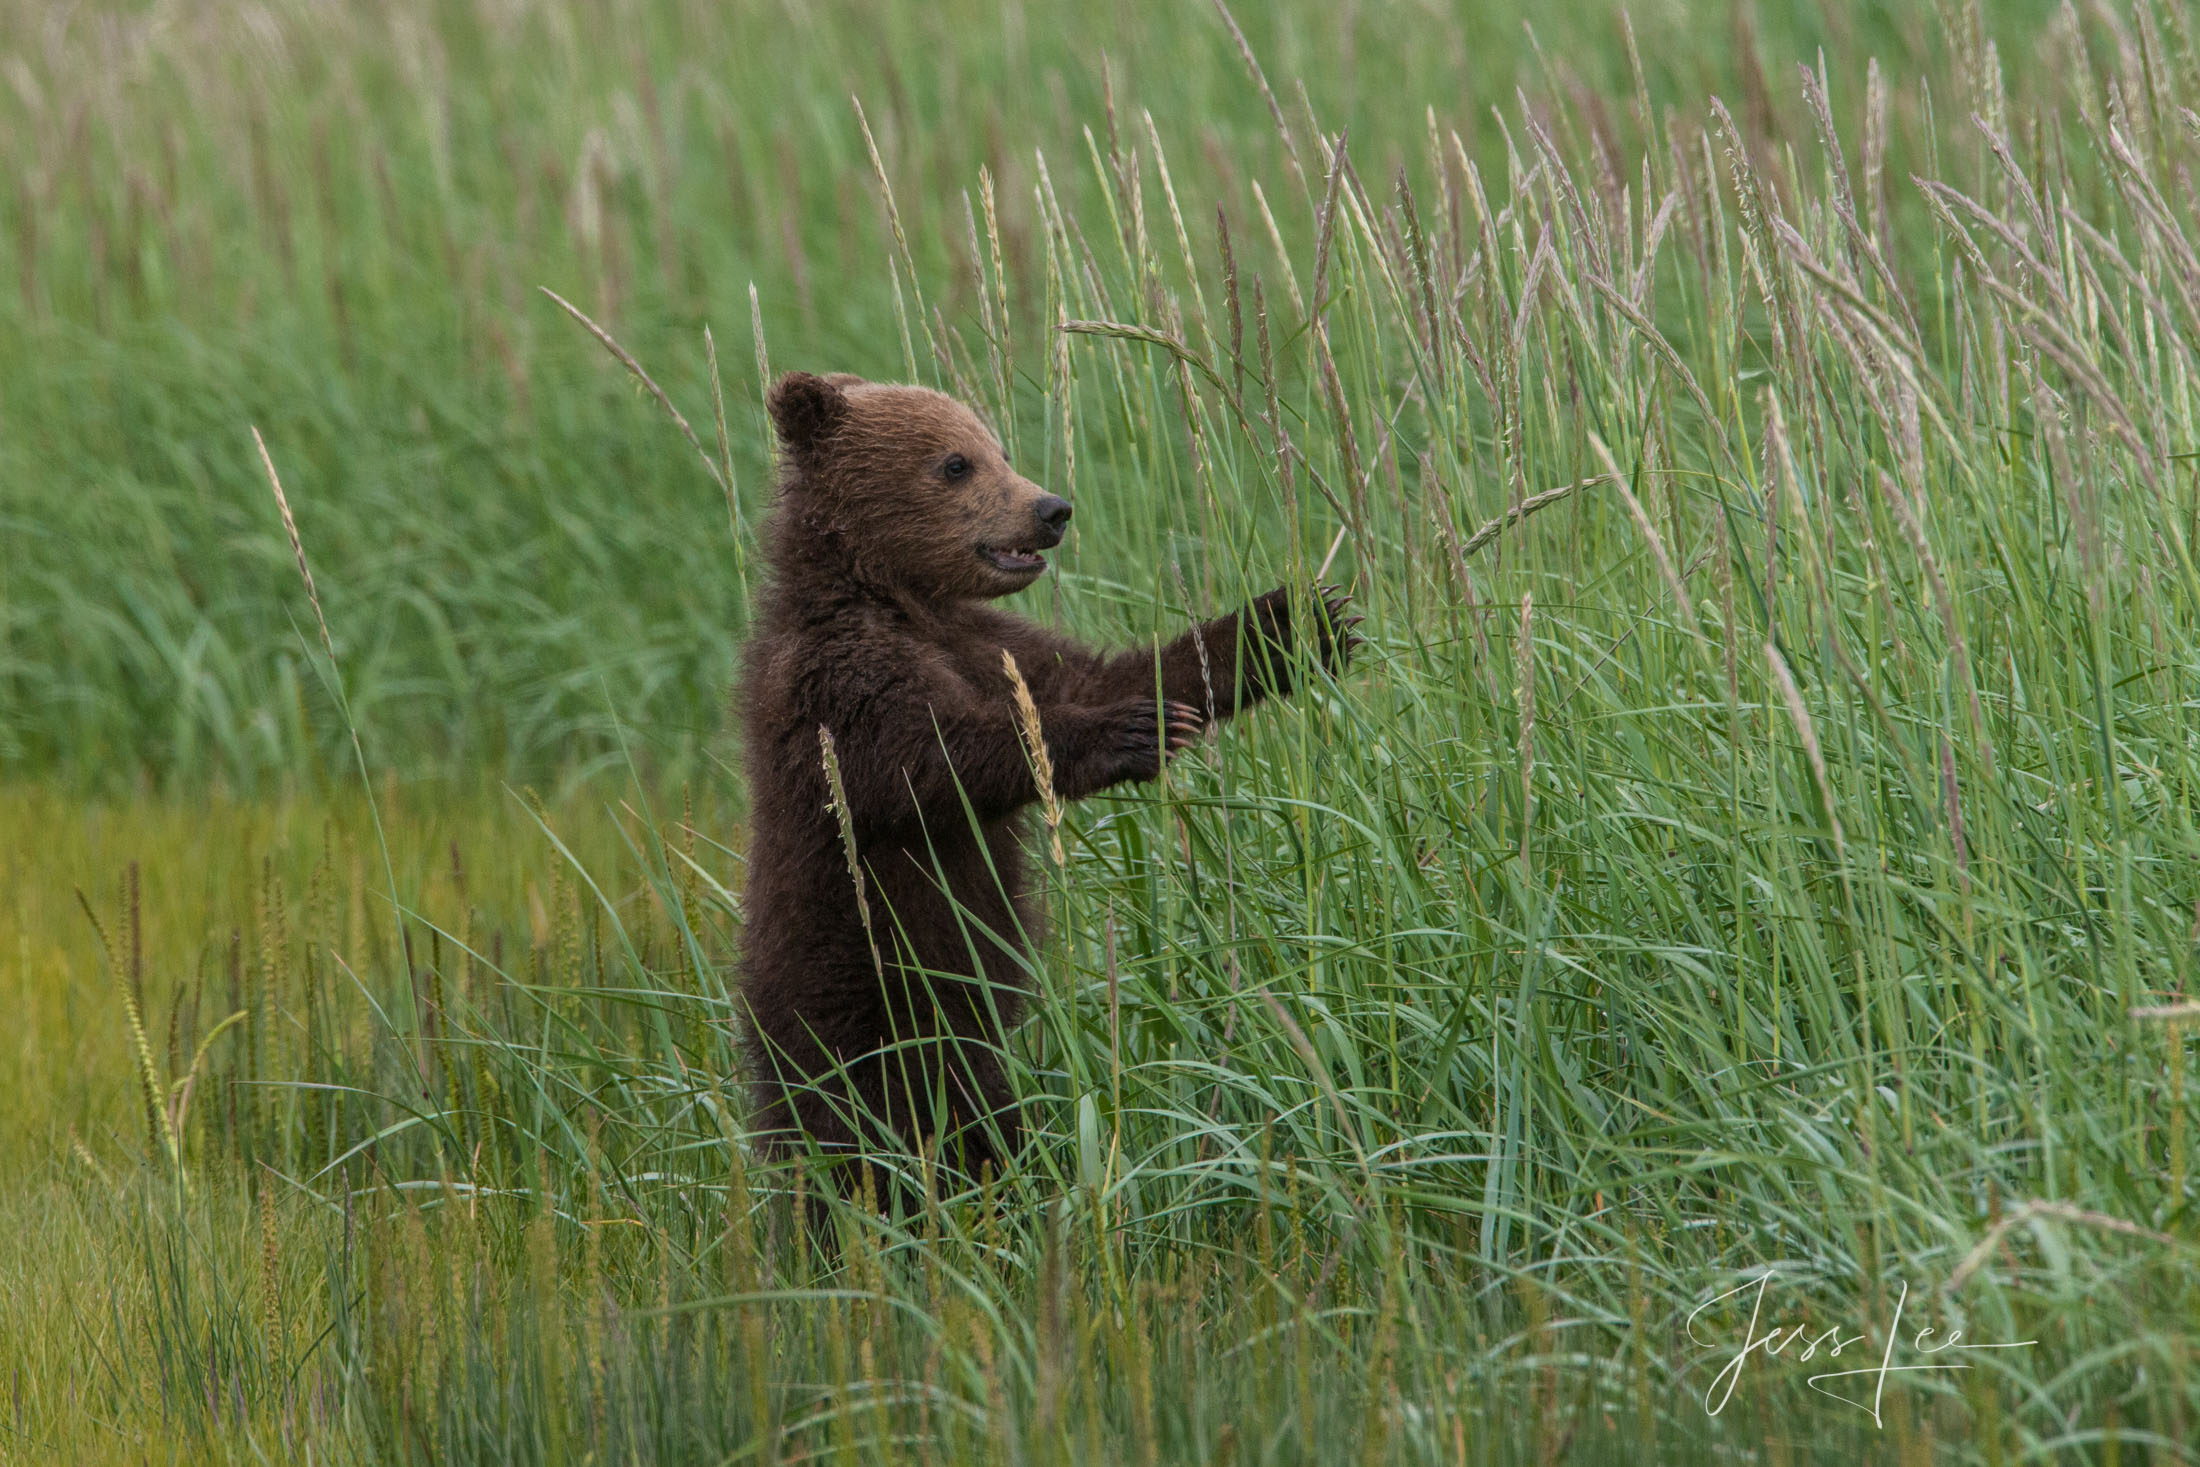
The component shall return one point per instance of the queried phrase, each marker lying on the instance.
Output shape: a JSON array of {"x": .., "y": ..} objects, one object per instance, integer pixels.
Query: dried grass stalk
[
  {"x": 626, "y": 359},
  {"x": 846, "y": 821},
  {"x": 1808, "y": 731},
  {"x": 1513, "y": 516},
  {"x": 297, "y": 545},
  {"x": 1649, "y": 533},
  {"x": 1524, "y": 661},
  {"x": 2025, "y": 1212},
  {"x": 1035, "y": 744}
]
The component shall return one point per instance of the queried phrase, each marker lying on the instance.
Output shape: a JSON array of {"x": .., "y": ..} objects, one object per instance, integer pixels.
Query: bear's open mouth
[{"x": 1015, "y": 562}]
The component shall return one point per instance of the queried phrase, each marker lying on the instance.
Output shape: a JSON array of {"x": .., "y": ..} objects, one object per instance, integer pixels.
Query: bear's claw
[{"x": 1185, "y": 725}]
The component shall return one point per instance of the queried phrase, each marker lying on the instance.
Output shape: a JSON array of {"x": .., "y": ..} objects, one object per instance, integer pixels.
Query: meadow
[{"x": 1743, "y": 898}]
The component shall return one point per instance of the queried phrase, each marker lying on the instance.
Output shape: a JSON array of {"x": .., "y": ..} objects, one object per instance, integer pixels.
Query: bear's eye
[{"x": 956, "y": 467}]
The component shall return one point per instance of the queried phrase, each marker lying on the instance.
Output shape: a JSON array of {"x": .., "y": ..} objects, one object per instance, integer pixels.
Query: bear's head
[{"x": 911, "y": 488}]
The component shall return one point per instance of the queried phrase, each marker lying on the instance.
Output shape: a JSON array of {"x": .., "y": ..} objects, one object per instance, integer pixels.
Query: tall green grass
[
  {"x": 332, "y": 223},
  {"x": 1773, "y": 853}
]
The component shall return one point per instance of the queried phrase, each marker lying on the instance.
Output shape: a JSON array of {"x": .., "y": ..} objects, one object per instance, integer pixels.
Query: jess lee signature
[{"x": 1774, "y": 1342}]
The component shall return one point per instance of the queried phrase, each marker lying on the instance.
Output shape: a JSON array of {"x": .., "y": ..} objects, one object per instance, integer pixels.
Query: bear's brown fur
[{"x": 899, "y": 519}]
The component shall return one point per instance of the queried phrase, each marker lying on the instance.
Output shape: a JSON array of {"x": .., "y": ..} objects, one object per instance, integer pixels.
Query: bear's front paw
[
  {"x": 1140, "y": 738},
  {"x": 1319, "y": 624}
]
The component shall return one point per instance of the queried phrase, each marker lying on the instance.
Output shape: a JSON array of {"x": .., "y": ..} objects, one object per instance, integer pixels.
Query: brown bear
[{"x": 879, "y": 1027}]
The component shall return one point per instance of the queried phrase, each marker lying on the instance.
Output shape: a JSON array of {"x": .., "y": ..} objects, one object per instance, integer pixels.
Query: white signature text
[{"x": 1928, "y": 1349}]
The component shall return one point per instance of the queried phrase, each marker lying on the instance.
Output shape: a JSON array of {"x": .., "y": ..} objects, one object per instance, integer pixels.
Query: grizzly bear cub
[{"x": 880, "y": 1026}]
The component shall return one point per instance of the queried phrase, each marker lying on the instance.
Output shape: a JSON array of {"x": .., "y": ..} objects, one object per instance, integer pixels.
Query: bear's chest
[
  {"x": 965, "y": 660},
  {"x": 978, "y": 671}
]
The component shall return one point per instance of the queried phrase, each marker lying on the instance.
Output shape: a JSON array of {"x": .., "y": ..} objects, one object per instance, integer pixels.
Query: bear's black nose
[{"x": 1053, "y": 513}]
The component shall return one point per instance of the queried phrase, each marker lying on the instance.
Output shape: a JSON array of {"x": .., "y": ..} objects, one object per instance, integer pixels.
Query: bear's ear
[
  {"x": 806, "y": 410},
  {"x": 844, "y": 379}
]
